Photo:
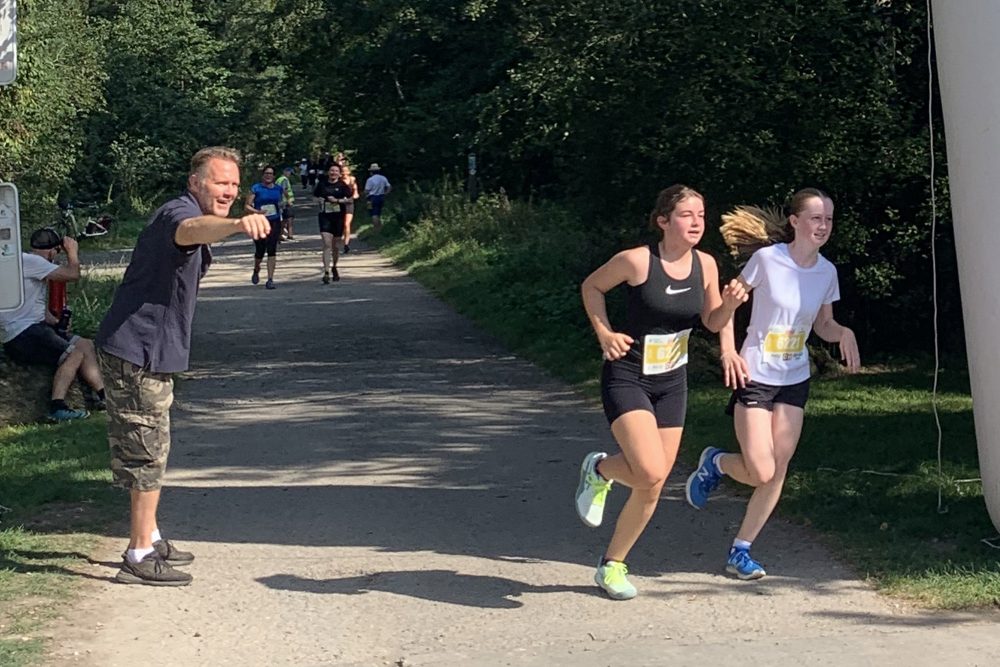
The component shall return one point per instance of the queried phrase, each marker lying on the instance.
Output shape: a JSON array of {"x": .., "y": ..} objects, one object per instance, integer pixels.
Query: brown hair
[
  {"x": 799, "y": 199},
  {"x": 667, "y": 201},
  {"x": 201, "y": 158}
]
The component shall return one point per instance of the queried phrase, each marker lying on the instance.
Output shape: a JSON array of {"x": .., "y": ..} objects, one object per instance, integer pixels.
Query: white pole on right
[{"x": 968, "y": 63}]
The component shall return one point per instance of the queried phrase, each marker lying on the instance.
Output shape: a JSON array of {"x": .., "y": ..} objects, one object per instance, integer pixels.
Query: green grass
[
  {"x": 90, "y": 297},
  {"x": 55, "y": 481},
  {"x": 865, "y": 475}
]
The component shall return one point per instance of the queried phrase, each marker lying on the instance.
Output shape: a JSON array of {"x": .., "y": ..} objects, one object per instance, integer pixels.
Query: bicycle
[{"x": 95, "y": 224}]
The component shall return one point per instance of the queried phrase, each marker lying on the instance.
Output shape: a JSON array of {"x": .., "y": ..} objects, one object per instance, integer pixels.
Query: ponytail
[{"x": 747, "y": 229}]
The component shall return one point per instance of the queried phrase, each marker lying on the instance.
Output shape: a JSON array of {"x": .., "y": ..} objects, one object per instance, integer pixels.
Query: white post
[
  {"x": 968, "y": 61},
  {"x": 11, "y": 283},
  {"x": 8, "y": 41}
]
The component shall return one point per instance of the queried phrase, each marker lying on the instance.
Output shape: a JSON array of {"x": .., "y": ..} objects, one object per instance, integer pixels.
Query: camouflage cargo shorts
[{"x": 138, "y": 403}]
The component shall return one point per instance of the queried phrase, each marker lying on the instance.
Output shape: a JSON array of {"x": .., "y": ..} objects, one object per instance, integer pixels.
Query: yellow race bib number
[
  {"x": 785, "y": 345},
  {"x": 662, "y": 353}
]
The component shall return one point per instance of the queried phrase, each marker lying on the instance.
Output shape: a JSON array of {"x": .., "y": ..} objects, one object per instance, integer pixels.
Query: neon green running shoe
[
  {"x": 611, "y": 576},
  {"x": 592, "y": 491}
]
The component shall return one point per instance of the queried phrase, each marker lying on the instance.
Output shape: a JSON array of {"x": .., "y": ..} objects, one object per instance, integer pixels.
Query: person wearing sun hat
[{"x": 376, "y": 188}]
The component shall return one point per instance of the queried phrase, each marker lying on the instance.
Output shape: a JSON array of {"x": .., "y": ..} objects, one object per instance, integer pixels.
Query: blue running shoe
[
  {"x": 703, "y": 480},
  {"x": 742, "y": 564},
  {"x": 254, "y": 278},
  {"x": 269, "y": 284},
  {"x": 66, "y": 415}
]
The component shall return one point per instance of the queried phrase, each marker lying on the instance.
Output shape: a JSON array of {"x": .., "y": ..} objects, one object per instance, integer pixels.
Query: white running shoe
[{"x": 592, "y": 491}]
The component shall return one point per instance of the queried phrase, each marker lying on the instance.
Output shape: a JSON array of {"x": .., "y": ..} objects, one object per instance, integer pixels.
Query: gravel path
[{"x": 368, "y": 479}]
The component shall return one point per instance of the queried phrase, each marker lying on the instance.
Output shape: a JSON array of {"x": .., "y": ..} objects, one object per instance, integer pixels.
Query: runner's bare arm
[
  {"x": 212, "y": 228},
  {"x": 735, "y": 370},
  {"x": 827, "y": 328},
  {"x": 248, "y": 206},
  {"x": 621, "y": 268}
]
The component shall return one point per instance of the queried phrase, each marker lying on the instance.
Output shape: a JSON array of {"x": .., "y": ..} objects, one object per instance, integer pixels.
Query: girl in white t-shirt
[{"x": 794, "y": 288}]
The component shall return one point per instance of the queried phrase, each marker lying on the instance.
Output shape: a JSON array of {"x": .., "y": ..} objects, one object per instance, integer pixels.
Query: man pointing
[{"x": 146, "y": 337}]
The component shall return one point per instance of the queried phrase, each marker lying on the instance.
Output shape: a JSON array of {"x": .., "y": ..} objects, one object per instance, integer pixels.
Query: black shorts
[
  {"x": 287, "y": 213},
  {"x": 349, "y": 207},
  {"x": 269, "y": 243},
  {"x": 760, "y": 395},
  {"x": 624, "y": 388},
  {"x": 40, "y": 344},
  {"x": 331, "y": 223}
]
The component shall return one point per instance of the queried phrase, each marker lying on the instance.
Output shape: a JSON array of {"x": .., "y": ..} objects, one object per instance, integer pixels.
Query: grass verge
[
  {"x": 866, "y": 473},
  {"x": 55, "y": 486}
]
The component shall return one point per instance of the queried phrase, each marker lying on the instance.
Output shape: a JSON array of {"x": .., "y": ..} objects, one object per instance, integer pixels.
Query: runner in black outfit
[
  {"x": 671, "y": 287},
  {"x": 334, "y": 195}
]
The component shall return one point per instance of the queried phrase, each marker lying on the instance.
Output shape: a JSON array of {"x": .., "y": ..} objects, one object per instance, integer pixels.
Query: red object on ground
[{"x": 57, "y": 297}]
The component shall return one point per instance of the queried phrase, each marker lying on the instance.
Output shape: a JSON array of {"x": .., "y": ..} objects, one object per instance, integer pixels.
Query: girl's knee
[
  {"x": 648, "y": 495},
  {"x": 760, "y": 472},
  {"x": 650, "y": 478}
]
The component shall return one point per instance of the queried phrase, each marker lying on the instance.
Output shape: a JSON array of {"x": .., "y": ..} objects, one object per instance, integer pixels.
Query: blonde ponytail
[{"x": 746, "y": 229}]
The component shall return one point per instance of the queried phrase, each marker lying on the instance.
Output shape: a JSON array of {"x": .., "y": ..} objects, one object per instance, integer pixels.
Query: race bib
[
  {"x": 662, "y": 353},
  {"x": 785, "y": 347},
  {"x": 269, "y": 209},
  {"x": 329, "y": 207}
]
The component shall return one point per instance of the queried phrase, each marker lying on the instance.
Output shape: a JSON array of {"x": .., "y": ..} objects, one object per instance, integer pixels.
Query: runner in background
[
  {"x": 304, "y": 172},
  {"x": 288, "y": 204},
  {"x": 333, "y": 194},
  {"x": 376, "y": 188},
  {"x": 352, "y": 182},
  {"x": 266, "y": 198}
]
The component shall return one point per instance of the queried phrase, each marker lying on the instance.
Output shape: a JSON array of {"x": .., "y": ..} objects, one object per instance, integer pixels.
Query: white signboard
[
  {"x": 8, "y": 41},
  {"x": 11, "y": 284}
]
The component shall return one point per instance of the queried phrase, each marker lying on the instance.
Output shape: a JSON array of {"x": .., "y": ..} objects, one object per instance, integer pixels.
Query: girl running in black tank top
[
  {"x": 671, "y": 287},
  {"x": 661, "y": 304}
]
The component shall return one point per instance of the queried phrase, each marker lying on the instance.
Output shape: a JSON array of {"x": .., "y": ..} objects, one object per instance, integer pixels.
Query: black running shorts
[
  {"x": 331, "y": 223},
  {"x": 760, "y": 395},
  {"x": 624, "y": 388}
]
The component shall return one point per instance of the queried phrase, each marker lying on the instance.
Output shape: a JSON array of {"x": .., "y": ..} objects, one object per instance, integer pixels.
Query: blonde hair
[
  {"x": 200, "y": 159},
  {"x": 667, "y": 201},
  {"x": 747, "y": 229}
]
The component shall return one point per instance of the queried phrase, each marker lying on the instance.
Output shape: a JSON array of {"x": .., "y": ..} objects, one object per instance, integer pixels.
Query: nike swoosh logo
[{"x": 671, "y": 291}]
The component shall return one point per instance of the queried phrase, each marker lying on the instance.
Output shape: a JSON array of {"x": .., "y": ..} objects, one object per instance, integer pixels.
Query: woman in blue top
[{"x": 266, "y": 198}]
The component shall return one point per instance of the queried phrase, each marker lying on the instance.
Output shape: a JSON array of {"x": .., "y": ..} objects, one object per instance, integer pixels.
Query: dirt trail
[{"x": 368, "y": 479}]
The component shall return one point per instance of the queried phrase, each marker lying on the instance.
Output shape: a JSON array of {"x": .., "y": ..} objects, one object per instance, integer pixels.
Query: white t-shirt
[
  {"x": 786, "y": 301},
  {"x": 377, "y": 184},
  {"x": 32, "y": 311}
]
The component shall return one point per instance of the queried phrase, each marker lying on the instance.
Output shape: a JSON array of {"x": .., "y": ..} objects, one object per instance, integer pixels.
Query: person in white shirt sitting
[{"x": 29, "y": 334}]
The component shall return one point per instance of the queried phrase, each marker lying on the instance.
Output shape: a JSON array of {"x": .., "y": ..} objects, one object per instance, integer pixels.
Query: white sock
[
  {"x": 715, "y": 462},
  {"x": 741, "y": 544},
  {"x": 155, "y": 535},
  {"x": 136, "y": 555}
]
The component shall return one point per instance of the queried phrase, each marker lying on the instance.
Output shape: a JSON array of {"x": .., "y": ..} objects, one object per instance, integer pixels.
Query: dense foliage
[{"x": 591, "y": 105}]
